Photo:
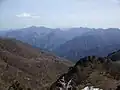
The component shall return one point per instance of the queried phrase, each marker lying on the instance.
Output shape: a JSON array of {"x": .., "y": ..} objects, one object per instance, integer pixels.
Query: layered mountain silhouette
[
  {"x": 42, "y": 37},
  {"x": 32, "y": 67},
  {"x": 72, "y": 43},
  {"x": 96, "y": 42}
]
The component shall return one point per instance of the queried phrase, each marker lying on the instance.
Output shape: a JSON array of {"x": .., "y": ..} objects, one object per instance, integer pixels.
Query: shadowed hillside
[
  {"x": 99, "y": 42},
  {"x": 115, "y": 55}
]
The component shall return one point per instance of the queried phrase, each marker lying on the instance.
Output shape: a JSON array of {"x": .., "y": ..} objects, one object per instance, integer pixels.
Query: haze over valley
[{"x": 70, "y": 44}]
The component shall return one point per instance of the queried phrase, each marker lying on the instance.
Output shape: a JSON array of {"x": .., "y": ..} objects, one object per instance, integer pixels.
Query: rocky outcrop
[{"x": 80, "y": 73}]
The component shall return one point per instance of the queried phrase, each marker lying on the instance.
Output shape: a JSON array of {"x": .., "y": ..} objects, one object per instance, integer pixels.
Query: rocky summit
[{"x": 100, "y": 72}]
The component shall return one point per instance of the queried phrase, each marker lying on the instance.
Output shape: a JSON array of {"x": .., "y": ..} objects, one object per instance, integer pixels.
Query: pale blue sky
[{"x": 60, "y": 13}]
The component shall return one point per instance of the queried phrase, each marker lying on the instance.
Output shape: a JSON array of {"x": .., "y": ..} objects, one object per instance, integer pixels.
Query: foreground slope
[
  {"x": 33, "y": 68},
  {"x": 115, "y": 55},
  {"x": 100, "y": 72}
]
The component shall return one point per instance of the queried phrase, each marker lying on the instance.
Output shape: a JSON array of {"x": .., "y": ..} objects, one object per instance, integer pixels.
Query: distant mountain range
[
  {"x": 42, "y": 37},
  {"x": 97, "y": 42},
  {"x": 72, "y": 43}
]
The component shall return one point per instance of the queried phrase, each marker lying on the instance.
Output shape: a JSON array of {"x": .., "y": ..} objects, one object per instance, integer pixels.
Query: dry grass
[{"x": 31, "y": 67}]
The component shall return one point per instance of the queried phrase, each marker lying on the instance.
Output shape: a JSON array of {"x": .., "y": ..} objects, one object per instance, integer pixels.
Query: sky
[{"x": 59, "y": 13}]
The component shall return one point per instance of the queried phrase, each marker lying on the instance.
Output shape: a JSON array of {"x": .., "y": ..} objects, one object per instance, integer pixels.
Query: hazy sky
[{"x": 60, "y": 13}]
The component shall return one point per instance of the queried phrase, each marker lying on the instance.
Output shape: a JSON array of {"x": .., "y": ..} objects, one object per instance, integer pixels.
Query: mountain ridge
[
  {"x": 100, "y": 72},
  {"x": 43, "y": 37},
  {"x": 90, "y": 43},
  {"x": 72, "y": 43},
  {"x": 30, "y": 66}
]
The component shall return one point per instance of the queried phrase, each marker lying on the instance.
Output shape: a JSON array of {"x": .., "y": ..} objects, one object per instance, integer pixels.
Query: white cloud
[{"x": 27, "y": 15}]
